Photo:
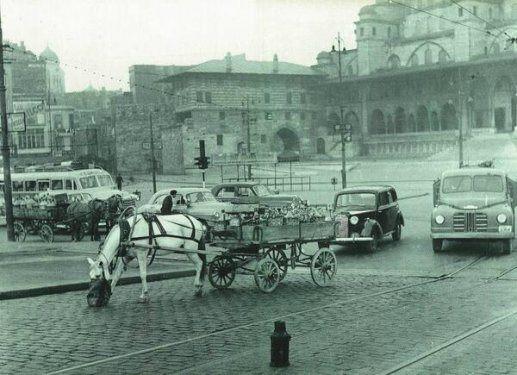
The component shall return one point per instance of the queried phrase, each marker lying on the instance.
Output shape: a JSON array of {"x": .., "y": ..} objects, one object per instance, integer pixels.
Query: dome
[
  {"x": 323, "y": 55},
  {"x": 48, "y": 54}
]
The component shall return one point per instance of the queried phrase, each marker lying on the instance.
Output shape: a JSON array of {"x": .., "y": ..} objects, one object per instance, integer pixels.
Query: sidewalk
[{"x": 35, "y": 268}]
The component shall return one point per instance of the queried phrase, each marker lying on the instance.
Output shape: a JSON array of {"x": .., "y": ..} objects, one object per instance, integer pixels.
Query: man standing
[
  {"x": 119, "y": 181},
  {"x": 169, "y": 203}
]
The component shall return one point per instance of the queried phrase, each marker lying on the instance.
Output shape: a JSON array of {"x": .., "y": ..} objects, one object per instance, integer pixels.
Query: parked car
[
  {"x": 197, "y": 202},
  {"x": 366, "y": 214},
  {"x": 251, "y": 193},
  {"x": 473, "y": 204}
]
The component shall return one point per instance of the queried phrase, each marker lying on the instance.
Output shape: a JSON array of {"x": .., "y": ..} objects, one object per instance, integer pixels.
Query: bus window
[
  {"x": 105, "y": 180},
  {"x": 43, "y": 185},
  {"x": 75, "y": 185},
  {"x": 68, "y": 185},
  {"x": 17, "y": 185},
  {"x": 57, "y": 184},
  {"x": 30, "y": 185},
  {"x": 88, "y": 182}
]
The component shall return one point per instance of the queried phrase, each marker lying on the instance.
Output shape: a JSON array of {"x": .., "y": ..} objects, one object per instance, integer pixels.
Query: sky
[{"x": 108, "y": 36}]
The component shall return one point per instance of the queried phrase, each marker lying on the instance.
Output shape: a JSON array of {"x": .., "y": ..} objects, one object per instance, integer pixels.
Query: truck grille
[
  {"x": 470, "y": 222},
  {"x": 128, "y": 202}
]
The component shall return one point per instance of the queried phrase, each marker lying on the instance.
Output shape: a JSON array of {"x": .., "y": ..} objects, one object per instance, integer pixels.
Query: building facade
[
  {"x": 415, "y": 78},
  {"x": 233, "y": 102}
]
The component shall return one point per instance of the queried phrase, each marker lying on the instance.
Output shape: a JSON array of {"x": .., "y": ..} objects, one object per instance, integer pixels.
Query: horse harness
[{"x": 125, "y": 232}]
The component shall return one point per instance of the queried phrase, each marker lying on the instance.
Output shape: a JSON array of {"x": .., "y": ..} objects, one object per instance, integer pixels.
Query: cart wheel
[
  {"x": 19, "y": 232},
  {"x": 221, "y": 272},
  {"x": 82, "y": 232},
  {"x": 267, "y": 275},
  {"x": 278, "y": 255},
  {"x": 323, "y": 267},
  {"x": 46, "y": 233}
]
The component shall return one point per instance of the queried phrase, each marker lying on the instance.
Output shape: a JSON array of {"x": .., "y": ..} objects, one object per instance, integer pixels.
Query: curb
[{"x": 74, "y": 287}]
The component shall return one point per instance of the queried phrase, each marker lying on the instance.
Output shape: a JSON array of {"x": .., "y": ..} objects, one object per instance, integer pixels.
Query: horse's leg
[
  {"x": 198, "y": 280},
  {"x": 142, "y": 266}
]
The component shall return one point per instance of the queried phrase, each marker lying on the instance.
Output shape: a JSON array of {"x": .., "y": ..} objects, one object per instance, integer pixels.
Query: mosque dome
[{"x": 49, "y": 55}]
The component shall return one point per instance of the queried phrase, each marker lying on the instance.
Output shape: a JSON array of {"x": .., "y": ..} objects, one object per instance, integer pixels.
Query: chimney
[
  {"x": 228, "y": 59},
  {"x": 275, "y": 63}
]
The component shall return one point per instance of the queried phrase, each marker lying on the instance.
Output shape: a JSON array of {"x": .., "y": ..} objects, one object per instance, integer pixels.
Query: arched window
[
  {"x": 442, "y": 57},
  {"x": 428, "y": 56},
  {"x": 413, "y": 61},
  {"x": 394, "y": 62}
]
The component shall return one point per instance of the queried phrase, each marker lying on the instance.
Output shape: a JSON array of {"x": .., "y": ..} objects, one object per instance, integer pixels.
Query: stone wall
[{"x": 132, "y": 134}]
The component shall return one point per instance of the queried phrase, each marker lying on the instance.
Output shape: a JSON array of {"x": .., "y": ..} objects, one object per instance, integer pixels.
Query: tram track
[{"x": 269, "y": 320}]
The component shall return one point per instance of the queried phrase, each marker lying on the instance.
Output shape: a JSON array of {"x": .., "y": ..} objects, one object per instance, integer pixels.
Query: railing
[{"x": 289, "y": 183}]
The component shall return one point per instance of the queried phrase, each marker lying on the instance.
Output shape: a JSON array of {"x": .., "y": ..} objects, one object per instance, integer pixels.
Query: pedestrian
[
  {"x": 168, "y": 203},
  {"x": 119, "y": 181}
]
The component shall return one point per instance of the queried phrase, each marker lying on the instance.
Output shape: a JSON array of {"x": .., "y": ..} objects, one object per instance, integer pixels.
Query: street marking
[
  {"x": 334, "y": 304},
  {"x": 446, "y": 344}
]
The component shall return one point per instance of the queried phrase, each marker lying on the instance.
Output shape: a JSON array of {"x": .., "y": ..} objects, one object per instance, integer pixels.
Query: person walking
[
  {"x": 119, "y": 181},
  {"x": 168, "y": 203}
]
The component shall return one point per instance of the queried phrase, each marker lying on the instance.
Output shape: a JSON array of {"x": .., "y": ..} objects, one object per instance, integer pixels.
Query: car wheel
[
  {"x": 373, "y": 245},
  {"x": 506, "y": 246},
  {"x": 397, "y": 233},
  {"x": 437, "y": 245}
]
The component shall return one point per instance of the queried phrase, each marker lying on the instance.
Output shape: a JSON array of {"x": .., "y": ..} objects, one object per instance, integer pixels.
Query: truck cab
[{"x": 473, "y": 204}]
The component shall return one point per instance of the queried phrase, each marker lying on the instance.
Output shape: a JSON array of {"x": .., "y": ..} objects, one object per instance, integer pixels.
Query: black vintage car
[{"x": 366, "y": 214}]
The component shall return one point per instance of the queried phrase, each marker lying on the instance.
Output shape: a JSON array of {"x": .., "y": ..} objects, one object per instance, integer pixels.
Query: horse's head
[
  {"x": 114, "y": 204},
  {"x": 99, "y": 291}
]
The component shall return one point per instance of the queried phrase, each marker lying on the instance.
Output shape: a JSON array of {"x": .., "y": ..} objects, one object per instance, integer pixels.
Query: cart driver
[{"x": 169, "y": 203}]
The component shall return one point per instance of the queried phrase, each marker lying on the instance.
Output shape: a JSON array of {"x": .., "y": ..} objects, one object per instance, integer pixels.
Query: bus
[{"x": 96, "y": 182}]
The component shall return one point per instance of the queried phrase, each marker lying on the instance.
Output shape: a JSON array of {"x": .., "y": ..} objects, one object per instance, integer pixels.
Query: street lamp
[{"x": 345, "y": 135}]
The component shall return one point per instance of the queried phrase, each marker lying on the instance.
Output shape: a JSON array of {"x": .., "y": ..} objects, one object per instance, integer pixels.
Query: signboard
[
  {"x": 147, "y": 145},
  {"x": 34, "y": 111},
  {"x": 16, "y": 122}
]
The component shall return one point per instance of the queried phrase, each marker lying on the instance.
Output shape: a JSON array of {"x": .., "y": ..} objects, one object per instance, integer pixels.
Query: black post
[
  {"x": 280, "y": 346},
  {"x": 6, "y": 152},
  {"x": 153, "y": 160}
]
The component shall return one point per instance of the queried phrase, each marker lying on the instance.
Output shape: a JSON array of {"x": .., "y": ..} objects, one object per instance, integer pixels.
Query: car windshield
[
  {"x": 480, "y": 184},
  {"x": 261, "y": 190},
  {"x": 200, "y": 196},
  {"x": 357, "y": 200},
  {"x": 88, "y": 182},
  {"x": 105, "y": 180}
]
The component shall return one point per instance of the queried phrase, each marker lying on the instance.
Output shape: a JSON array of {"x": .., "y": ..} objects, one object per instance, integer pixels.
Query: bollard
[{"x": 280, "y": 346}]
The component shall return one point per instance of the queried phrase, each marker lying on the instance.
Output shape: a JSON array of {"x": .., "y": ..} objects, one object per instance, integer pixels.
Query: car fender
[
  {"x": 369, "y": 226},
  {"x": 400, "y": 219}
]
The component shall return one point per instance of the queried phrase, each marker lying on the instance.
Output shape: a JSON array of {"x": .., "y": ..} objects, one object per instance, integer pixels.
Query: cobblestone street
[{"x": 362, "y": 324}]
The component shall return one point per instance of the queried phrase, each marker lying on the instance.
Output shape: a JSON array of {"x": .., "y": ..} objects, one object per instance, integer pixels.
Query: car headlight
[
  {"x": 501, "y": 218},
  {"x": 439, "y": 219},
  {"x": 354, "y": 220}
]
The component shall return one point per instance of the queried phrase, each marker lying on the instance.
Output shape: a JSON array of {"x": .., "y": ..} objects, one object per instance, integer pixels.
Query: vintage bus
[{"x": 96, "y": 182}]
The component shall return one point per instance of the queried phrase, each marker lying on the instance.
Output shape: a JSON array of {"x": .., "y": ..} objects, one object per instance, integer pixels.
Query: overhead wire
[
  {"x": 484, "y": 31},
  {"x": 479, "y": 17}
]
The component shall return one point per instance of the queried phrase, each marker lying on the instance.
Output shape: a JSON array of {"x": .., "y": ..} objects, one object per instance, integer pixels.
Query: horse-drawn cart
[
  {"x": 45, "y": 221},
  {"x": 281, "y": 243}
]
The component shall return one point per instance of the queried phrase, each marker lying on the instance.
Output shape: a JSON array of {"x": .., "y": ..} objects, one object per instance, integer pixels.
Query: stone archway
[
  {"x": 448, "y": 117},
  {"x": 286, "y": 140},
  {"x": 504, "y": 104},
  {"x": 320, "y": 146},
  {"x": 400, "y": 120},
  {"x": 377, "y": 125},
  {"x": 422, "y": 119}
]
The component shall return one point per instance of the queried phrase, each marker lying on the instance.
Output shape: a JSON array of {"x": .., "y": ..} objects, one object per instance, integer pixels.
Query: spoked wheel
[
  {"x": 46, "y": 233},
  {"x": 19, "y": 232},
  {"x": 323, "y": 267},
  {"x": 221, "y": 272},
  {"x": 84, "y": 229},
  {"x": 267, "y": 275},
  {"x": 278, "y": 255}
]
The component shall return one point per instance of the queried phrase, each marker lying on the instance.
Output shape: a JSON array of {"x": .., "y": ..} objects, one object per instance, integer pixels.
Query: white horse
[{"x": 172, "y": 231}]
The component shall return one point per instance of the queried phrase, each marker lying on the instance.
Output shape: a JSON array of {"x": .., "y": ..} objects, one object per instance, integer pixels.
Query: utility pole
[
  {"x": 6, "y": 152},
  {"x": 246, "y": 118},
  {"x": 460, "y": 122},
  {"x": 51, "y": 134},
  {"x": 153, "y": 159},
  {"x": 342, "y": 120}
]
